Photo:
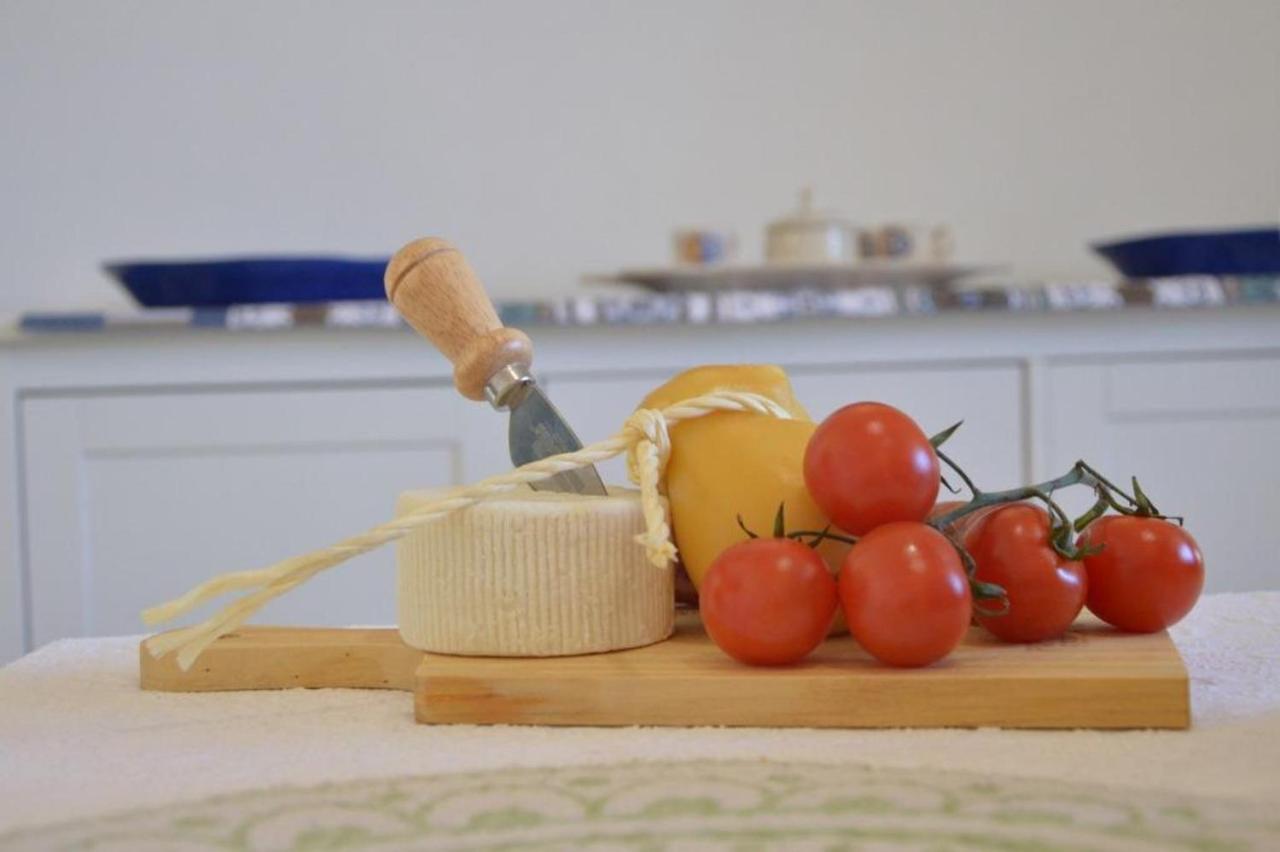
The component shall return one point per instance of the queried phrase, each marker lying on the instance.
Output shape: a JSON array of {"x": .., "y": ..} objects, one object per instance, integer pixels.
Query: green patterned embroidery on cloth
[{"x": 700, "y": 805}]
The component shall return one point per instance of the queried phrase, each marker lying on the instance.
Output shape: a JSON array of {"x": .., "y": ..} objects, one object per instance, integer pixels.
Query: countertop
[
  {"x": 79, "y": 741},
  {"x": 732, "y": 307}
]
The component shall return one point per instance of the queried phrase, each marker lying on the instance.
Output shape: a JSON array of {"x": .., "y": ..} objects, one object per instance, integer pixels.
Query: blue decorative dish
[
  {"x": 217, "y": 283},
  {"x": 1247, "y": 252}
]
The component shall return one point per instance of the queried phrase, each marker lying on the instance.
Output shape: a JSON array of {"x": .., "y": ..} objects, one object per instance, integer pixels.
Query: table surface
[{"x": 78, "y": 738}]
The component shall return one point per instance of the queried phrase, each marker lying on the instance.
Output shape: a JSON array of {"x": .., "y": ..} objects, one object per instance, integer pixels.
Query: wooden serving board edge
[
  {"x": 1092, "y": 678},
  {"x": 254, "y": 658}
]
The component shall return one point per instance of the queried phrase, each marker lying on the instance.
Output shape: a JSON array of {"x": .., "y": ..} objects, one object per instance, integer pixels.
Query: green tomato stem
[
  {"x": 819, "y": 535},
  {"x": 973, "y": 489},
  {"x": 983, "y": 499}
]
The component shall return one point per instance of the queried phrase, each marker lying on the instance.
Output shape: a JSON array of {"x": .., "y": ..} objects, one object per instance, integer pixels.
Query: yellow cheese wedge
[{"x": 531, "y": 574}]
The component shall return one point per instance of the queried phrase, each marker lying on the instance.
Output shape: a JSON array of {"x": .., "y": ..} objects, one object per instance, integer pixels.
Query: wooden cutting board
[{"x": 1092, "y": 678}]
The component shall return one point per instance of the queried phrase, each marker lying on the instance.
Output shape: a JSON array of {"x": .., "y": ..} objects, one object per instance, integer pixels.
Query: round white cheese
[{"x": 531, "y": 574}]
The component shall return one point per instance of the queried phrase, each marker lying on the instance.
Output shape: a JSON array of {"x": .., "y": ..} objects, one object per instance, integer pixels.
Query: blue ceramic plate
[
  {"x": 217, "y": 283},
  {"x": 1250, "y": 252}
]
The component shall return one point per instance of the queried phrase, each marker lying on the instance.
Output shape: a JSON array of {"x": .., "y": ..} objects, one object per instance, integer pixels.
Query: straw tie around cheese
[{"x": 644, "y": 438}]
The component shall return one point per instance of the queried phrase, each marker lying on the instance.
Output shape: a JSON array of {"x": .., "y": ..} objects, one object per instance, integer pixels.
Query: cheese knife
[{"x": 437, "y": 292}]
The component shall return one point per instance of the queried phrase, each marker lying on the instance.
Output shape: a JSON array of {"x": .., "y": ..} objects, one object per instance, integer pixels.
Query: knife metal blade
[{"x": 536, "y": 431}]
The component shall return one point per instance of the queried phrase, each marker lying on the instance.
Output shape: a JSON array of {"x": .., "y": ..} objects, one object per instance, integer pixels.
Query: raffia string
[{"x": 644, "y": 438}]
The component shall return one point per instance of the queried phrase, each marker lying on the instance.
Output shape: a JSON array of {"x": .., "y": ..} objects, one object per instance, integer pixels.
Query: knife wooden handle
[{"x": 437, "y": 291}]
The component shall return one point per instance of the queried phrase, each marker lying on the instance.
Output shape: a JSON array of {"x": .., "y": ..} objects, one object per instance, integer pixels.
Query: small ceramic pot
[{"x": 810, "y": 237}]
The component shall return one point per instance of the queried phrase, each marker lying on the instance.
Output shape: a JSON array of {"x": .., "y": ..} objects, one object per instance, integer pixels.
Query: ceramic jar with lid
[{"x": 810, "y": 237}]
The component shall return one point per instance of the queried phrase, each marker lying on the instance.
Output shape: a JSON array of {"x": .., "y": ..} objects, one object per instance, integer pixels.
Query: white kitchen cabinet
[
  {"x": 132, "y": 498},
  {"x": 136, "y": 464},
  {"x": 1200, "y": 436}
]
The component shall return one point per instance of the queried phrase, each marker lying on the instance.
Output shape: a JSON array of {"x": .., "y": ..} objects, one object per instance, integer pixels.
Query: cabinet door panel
[
  {"x": 1197, "y": 434},
  {"x": 127, "y": 509}
]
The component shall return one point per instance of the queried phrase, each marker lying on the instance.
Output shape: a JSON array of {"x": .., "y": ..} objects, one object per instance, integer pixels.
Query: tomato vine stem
[
  {"x": 1042, "y": 491},
  {"x": 1062, "y": 533},
  {"x": 819, "y": 535},
  {"x": 1062, "y": 530},
  {"x": 973, "y": 489}
]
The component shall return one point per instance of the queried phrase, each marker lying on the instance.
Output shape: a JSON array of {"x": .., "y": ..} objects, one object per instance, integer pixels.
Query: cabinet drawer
[
  {"x": 246, "y": 418},
  {"x": 1214, "y": 387}
]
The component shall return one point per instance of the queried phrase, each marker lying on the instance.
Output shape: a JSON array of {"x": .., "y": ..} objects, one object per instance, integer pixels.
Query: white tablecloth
[{"x": 79, "y": 739}]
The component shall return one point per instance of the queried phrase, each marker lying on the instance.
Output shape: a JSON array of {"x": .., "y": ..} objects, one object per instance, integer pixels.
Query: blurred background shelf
[{"x": 699, "y": 307}]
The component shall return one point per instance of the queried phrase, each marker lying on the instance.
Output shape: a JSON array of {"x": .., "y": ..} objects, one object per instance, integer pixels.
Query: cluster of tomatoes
[{"x": 906, "y": 585}]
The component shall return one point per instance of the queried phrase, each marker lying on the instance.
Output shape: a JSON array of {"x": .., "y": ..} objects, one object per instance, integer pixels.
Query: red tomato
[
  {"x": 1148, "y": 575},
  {"x": 905, "y": 594},
  {"x": 1045, "y": 592},
  {"x": 768, "y": 601},
  {"x": 869, "y": 464}
]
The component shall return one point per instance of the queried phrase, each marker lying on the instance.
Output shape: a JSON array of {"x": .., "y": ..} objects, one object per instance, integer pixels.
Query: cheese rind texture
[{"x": 531, "y": 574}]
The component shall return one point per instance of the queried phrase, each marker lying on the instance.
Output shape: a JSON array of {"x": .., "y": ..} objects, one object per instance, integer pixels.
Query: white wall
[{"x": 556, "y": 137}]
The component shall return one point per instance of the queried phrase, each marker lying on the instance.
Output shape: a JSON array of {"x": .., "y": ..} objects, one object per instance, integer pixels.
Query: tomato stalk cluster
[
  {"x": 1062, "y": 537},
  {"x": 1063, "y": 529},
  {"x": 919, "y": 572}
]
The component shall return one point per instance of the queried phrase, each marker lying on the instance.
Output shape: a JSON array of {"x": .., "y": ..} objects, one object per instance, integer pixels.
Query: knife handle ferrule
[{"x": 506, "y": 387}]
